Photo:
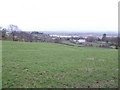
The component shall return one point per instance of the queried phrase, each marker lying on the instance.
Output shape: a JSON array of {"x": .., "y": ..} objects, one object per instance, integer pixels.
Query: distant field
[{"x": 49, "y": 65}]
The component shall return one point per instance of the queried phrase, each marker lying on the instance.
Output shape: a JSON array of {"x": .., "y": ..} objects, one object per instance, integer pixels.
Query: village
[{"x": 89, "y": 40}]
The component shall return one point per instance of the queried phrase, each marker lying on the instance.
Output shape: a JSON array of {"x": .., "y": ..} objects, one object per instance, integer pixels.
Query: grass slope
[
  {"x": 0, "y": 64},
  {"x": 40, "y": 65}
]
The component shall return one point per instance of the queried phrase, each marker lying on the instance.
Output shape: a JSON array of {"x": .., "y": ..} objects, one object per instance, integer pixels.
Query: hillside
[{"x": 39, "y": 65}]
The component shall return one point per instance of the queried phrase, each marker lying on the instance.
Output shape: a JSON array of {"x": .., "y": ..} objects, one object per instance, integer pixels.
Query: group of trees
[
  {"x": 15, "y": 34},
  {"x": 103, "y": 39}
]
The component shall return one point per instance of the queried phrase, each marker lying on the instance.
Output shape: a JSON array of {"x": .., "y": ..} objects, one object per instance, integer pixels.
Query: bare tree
[
  {"x": 0, "y": 33},
  {"x": 3, "y": 33},
  {"x": 104, "y": 37},
  {"x": 13, "y": 29}
]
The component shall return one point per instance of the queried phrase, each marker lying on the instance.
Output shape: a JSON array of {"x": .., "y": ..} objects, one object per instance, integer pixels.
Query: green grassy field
[
  {"x": 0, "y": 64},
  {"x": 49, "y": 65}
]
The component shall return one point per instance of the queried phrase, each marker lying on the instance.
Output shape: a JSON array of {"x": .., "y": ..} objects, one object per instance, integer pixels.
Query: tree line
[{"x": 13, "y": 33}]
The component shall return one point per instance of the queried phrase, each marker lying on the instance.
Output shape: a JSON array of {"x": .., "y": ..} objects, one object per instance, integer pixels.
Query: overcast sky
[{"x": 60, "y": 15}]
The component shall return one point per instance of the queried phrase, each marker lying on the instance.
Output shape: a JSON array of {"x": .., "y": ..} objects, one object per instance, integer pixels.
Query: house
[{"x": 81, "y": 40}]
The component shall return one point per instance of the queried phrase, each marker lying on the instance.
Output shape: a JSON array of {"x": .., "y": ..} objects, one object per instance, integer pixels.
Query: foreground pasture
[{"x": 49, "y": 65}]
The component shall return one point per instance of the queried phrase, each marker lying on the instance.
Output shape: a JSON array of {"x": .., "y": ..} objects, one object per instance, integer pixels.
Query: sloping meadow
[{"x": 49, "y": 65}]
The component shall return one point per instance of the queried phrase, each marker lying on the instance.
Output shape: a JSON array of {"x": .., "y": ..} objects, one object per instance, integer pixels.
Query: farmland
[{"x": 50, "y": 65}]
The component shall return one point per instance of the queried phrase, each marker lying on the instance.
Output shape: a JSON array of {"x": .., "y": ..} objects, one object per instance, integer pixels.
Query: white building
[{"x": 81, "y": 40}]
